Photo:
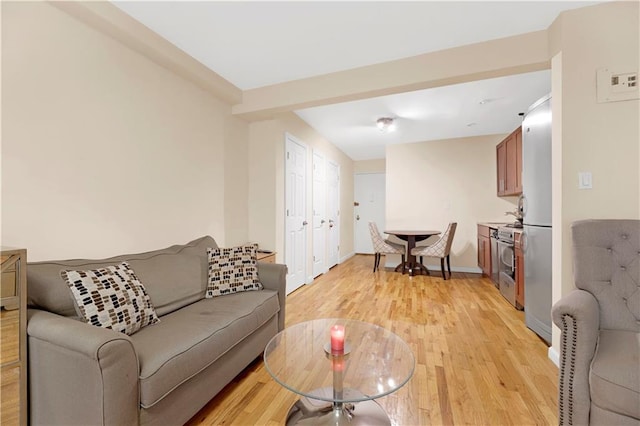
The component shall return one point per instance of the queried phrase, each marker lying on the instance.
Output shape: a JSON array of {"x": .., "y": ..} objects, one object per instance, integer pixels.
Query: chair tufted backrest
[
  {"x": 606, "y": 263},
  {"x": 442, "y": 247},
  {"x": 379, "y": 244}
]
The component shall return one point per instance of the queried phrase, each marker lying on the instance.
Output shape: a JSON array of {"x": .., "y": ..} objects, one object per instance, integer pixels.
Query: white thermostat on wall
[{"x": 612, "y": 86}]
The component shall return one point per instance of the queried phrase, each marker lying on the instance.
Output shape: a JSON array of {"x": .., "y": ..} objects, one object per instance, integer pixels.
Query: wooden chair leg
[
  {"x": 449, "y": 265},
  {"x": 444, "y": 276},
  {"x": 375, "y": 261},
  {"x": 403, "y": 264},
  {"x": 378, "y": 261},
  {"x": 424, "y": 268}
]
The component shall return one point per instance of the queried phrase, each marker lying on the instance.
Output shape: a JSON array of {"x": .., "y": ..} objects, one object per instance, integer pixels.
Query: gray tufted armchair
[{"x": 599, "y": 380}]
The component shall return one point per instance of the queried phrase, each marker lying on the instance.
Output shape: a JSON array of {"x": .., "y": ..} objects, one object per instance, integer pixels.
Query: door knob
[
  {"x": 305, "y": 223},
  {"x": 322, "y": 221},
  {"x": 357, "y": 217}
]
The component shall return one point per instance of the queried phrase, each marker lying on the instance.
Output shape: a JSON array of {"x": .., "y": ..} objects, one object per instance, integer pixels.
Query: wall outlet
[{"x": 612, "y": 86}]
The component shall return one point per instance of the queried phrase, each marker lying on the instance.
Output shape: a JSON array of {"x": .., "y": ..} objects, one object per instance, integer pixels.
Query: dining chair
[
  {"x": 382, "y": 246},
  {"x": 440, "y": 248}
]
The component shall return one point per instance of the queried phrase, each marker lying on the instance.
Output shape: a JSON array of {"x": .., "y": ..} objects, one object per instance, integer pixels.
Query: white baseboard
[
  {"x": 554, "y": 356},
  {"x": 310, "y": 278},
  {"x": 347, "y": 257},
  {"x": 465, "y": 269},
  {"x": 392, "y": 263}
]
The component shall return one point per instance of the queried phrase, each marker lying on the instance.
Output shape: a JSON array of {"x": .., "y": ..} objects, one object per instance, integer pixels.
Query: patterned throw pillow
[
  {"x": 232, "y": 270},
  {"x": 111, "y": 297}
]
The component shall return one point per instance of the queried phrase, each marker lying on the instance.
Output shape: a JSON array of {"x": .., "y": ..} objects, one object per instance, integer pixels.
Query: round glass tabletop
[{"x": 376, "y": 362}]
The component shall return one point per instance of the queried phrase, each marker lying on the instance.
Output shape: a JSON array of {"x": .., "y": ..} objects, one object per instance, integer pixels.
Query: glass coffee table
[{"x": 338, "y": 387}]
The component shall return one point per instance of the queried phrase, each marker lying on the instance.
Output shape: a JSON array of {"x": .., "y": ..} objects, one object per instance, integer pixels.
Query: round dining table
[{"x": 411, "y": 237}]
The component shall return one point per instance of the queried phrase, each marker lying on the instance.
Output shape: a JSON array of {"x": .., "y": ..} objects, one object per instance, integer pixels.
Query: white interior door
[
  {"x": 319, "y": 190},
  {"x": 296, "y": 223},
  {"x": 369, "y": 193},
  {"x": 333, "y": 214}
]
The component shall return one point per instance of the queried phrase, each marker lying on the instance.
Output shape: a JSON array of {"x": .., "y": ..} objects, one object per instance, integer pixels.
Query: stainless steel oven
[
  {"x": 495, "y": 261},
  {"x": 506, "y": 264}
]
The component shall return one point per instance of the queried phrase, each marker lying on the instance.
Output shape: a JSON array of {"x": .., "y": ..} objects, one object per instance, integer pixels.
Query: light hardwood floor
[{"x": 476, "y": 361}]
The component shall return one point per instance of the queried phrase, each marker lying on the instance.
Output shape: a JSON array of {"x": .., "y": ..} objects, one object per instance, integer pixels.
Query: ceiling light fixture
[{"x": 386, "y": 124}]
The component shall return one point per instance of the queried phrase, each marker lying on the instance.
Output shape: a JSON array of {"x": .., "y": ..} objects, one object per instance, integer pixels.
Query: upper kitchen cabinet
[
  {"x": 509, "y": 164},
  {"x": 518, "y": 137}
]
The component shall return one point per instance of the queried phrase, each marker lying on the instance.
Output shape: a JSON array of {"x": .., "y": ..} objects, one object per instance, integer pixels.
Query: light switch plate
[{"x": 585, "y": 180}]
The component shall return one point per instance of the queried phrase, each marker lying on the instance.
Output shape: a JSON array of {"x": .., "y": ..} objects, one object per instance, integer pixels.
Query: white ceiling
[
  {"x": 253, "y": 44},
  {"x": 469, "y": 109}
]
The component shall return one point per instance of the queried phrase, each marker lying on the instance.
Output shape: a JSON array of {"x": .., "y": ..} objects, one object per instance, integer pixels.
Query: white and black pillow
[
  {"x": 232, "y": 270},
  {"x": 111, "y": 297}
]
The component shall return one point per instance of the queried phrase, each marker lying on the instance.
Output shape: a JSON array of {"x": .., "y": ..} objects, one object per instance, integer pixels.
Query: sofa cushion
[
  {"x": 232, "y": 270},
  {"x": 173, "y": 277},
  {"x": 188, "y": 340},
  {"x": 111, "y": 297},
  {"x": 615, "y": 376}
]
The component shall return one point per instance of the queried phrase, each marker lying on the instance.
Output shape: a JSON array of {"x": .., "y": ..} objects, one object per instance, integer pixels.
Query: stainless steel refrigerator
[{"x": 536, "y": 209}]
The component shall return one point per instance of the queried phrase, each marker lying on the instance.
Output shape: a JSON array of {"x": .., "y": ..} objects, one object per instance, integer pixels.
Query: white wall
[
  {"x": 370, "y": 166},
  {"x": 430, "y": 184},
  {"x": 603, "y": 138},
  {"x": 106, "y": 152},
  {"x": 266, "y": 174},
  {"x": 264, "y": 161}
]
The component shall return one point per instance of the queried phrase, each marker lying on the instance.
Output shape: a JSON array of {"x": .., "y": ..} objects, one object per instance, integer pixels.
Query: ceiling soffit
[{"x": 495, "y": 58}]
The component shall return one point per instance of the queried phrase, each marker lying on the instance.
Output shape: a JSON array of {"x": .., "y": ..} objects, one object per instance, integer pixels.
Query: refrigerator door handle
[
  {"x": 524, "y": 242},
  {"x": 522, "y": 205}
]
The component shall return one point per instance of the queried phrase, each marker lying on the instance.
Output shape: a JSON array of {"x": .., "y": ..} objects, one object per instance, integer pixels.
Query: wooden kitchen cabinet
[
  {"x": 509, "y": 164},
  {"x": 518, "y": 142},
  {"x": 484, "y": 250},
  {"x": 13, "y": 337},
  {"x": 501, "y": 161},
  {"x": 519, "y": 255}
]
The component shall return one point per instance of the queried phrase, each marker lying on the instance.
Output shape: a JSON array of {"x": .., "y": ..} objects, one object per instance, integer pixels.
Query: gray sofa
[
  {"x": 80, "y": 374},
  {"x": 599, "y": 382}
]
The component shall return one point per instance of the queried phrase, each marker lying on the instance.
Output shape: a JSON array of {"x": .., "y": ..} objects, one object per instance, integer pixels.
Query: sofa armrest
[
  {"x": 273, "y": 276},
  {"x": 80, "y": 374},
  {"x": 578, "y": 318}
]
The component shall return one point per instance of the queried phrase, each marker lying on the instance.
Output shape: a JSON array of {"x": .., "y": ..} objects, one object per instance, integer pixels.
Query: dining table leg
[
  {"x": 415, "y": 268},
  {"x": 411, "y": 237},
  {"x": 411, "y": 259}
]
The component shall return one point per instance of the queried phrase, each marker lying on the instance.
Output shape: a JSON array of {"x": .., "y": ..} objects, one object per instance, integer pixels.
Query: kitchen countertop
[
  {"x": 493, "y": 225},
  {"x": 496, "y": 225}
]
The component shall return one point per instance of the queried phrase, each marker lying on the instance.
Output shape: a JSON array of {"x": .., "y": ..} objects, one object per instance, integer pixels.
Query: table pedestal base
[
  {"x": 413, "y": 268},
  {"x": 308, "y": 411},
  {"x": 366, "y": 413}
]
